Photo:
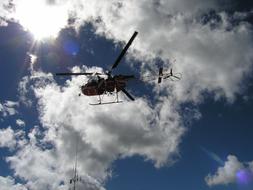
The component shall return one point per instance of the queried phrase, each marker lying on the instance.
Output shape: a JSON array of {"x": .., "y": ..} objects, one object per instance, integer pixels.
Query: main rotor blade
[
  {"x": 66, "y": 74},
  {"x": 124, "y": 50},
  {"x": 127, "y": 94}
]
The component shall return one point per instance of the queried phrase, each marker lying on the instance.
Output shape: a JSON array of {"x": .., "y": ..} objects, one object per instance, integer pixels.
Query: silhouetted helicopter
[
  {"x": 168, "y": 75},
  {"x": 109, "y": 84},
  {"x": 98, "y": 85}
]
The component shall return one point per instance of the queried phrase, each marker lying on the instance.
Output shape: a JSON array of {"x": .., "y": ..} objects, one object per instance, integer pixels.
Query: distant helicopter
[
  {"x": 98, "y": 85},
  {"x": 168, "y": 75}
]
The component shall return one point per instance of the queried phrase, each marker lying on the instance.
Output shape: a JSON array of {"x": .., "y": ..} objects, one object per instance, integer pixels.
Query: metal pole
[{"x": 75, "y": 175}]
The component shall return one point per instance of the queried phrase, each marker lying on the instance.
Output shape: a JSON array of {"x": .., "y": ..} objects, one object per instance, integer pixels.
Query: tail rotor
[{"x": 160, "y": 77}]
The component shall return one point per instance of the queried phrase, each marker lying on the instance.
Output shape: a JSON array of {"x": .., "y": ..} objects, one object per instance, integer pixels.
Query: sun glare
[{"x": 41, "y": 19}]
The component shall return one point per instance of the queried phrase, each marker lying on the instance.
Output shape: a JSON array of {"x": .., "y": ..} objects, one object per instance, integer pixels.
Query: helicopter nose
[{"x": 83, "y": 89}]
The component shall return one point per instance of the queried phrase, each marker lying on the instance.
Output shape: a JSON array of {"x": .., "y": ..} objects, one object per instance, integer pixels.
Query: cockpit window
[{"x": 93, "y": 79}]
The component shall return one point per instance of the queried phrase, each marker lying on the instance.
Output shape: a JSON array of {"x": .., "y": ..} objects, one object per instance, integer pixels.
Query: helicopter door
[{"x": 110, "y": 85}]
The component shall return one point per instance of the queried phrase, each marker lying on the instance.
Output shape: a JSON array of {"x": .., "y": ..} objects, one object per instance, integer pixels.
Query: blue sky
[{"x": 192, "y": 134}]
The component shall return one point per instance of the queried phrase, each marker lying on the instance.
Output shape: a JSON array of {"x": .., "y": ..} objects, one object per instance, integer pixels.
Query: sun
[{"x": 41, "y": 19}]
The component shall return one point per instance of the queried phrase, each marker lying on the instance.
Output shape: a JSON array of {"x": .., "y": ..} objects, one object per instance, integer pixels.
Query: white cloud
[
  {"x": 5, "y": 8},
  {"x": 137, "y": 128},
  {"x": 8, "y": 108},
  {"x": 7, "y": 138},
  {"x": 20, "y": 122},
  {"x": 49, "y": 168},
  {"x": 3, "y": 22},
  {"x": 251, "y": 165},
  {"x": 104, "y": 134},
  {"x": 38, "y": 168},
  {"x": 7, "y": 183},
  {"x": 232, "y": 171}
]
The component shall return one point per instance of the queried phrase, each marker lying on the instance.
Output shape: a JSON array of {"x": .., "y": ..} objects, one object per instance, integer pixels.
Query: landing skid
[{"x": 105, "y": 103}]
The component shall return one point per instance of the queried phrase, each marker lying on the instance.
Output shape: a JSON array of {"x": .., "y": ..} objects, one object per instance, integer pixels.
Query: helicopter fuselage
[{"x": 102, "y": 86}]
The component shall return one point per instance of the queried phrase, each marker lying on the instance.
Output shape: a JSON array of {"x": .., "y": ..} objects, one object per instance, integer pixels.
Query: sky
[{"x": 195, "y": 133}]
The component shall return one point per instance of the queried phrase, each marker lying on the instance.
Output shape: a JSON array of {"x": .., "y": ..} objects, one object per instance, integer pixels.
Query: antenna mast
[{"x": 75, "y": 178}]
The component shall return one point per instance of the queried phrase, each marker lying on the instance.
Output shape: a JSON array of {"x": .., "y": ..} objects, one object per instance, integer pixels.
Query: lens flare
[
  {"x": 213, "y": 156},
  {"x": 71, "y": 47},
  {"x": 244, "y": 176}
]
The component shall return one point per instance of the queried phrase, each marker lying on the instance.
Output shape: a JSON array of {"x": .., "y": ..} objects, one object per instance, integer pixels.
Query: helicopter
[
  {"x": 168, "y": 75},
  {"x": 98, "y": 85},
  {"x": 105, "y": 83}
]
